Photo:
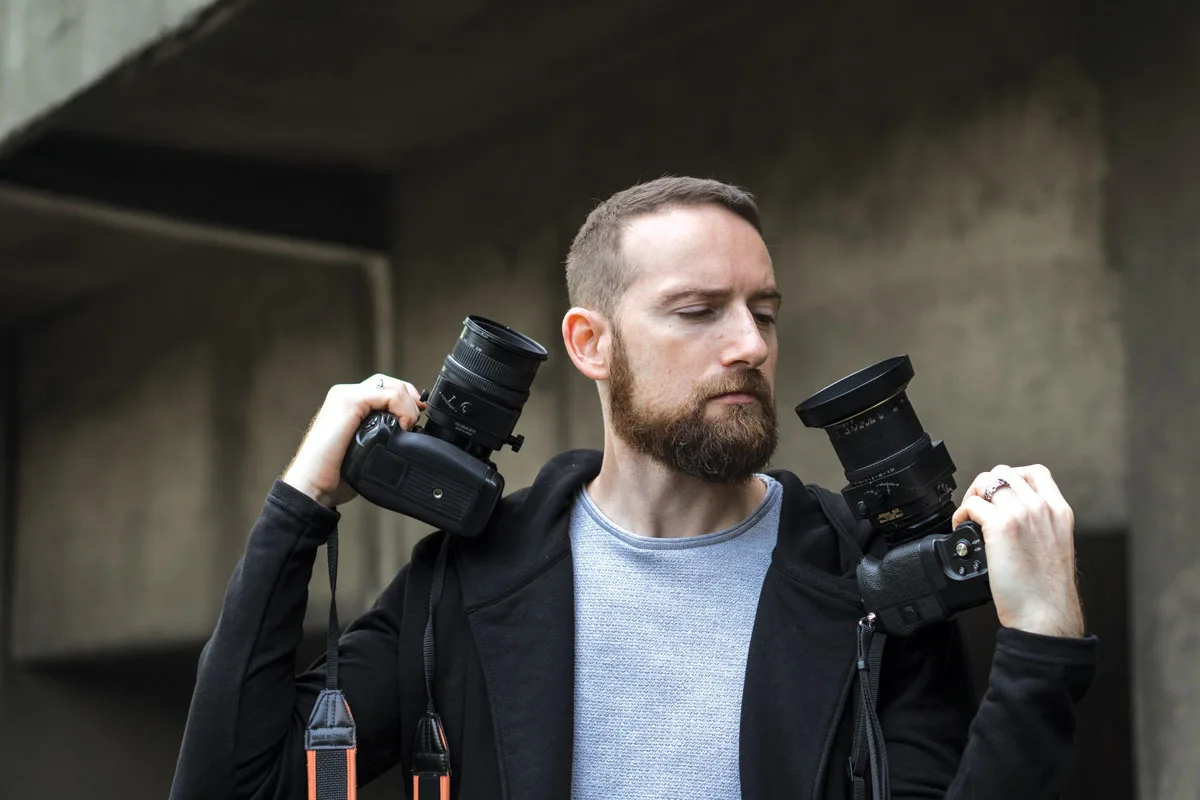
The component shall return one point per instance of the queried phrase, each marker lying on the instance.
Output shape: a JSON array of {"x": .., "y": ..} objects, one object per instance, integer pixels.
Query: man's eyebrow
[{"x": 717, "y": 294}]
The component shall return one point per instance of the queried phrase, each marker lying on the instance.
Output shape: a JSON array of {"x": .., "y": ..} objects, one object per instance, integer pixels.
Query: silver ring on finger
[
  {"x": 993, "y": 487},
  {"x": 380, "y": 384}
]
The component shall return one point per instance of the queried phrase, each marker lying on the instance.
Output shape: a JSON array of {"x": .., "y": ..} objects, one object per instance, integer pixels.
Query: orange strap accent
[
  {"x": 352, "y": 774},
  {"x": 443, "y": 786}
]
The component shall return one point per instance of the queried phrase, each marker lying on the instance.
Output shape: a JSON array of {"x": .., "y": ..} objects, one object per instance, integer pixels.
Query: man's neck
[{"x": 645, "y": 497}]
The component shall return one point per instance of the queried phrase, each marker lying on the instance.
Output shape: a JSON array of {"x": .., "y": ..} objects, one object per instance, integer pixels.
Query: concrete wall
[
  {"x": 954, "y": 213},
  {"x": 1154, "y": 200},
  {"x": 154, "y": 418},
  {"x": 52, "y": 49},
  {"x": 7, "y": 413},
  {"x": 963, "y": 230}
]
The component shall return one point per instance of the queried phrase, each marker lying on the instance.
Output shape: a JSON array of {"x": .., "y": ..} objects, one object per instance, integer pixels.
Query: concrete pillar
[
  {"x": 7, "y": 402},
  {"x": 1153, "y": 198}
]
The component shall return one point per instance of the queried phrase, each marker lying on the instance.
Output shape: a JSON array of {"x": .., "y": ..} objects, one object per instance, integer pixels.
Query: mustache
[{"x": 750, "y": 381}]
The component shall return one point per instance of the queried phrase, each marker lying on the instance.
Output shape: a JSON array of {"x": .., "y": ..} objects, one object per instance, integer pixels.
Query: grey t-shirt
[{"x": 662, "y": 629}]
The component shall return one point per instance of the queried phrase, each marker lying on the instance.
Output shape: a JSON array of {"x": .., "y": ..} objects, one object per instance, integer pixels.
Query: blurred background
[{"x": 210, "y": 212}]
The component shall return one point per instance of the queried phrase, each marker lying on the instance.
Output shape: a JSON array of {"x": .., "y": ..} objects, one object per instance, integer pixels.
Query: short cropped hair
[{"x": 597, "y": 275}]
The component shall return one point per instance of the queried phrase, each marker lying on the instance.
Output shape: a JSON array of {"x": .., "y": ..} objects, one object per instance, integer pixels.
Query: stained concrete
[
  {"x": 1154, "y": 143},
  {"x": 153, "y": 419},
  {"x": 51, "y": 51},
  {"x": 967, "y": 235},
  {"x": 935, "y": 184}
]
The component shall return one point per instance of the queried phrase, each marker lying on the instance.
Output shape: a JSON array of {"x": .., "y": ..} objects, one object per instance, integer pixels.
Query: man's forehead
[
  {"x": 680, "y": 227},
  {"x": 706, "y": 250}
]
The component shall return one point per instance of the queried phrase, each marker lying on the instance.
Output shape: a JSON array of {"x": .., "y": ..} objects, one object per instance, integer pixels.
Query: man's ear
[{"x": 586, "y": 336}]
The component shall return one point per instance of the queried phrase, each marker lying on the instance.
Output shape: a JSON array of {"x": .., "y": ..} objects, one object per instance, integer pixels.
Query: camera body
[
  {"x": 903, "y": 483},
  {"x": 926, "y": 580},
  {"x": 421, "y": 476},
  {"x": 442, "y": 474}
]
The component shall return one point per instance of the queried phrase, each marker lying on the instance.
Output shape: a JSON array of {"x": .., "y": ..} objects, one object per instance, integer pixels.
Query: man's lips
[{"x": 735, "y": 397}]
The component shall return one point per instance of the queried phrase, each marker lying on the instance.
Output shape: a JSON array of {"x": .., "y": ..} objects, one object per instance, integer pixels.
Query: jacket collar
[{"x": 518, "y": 593}]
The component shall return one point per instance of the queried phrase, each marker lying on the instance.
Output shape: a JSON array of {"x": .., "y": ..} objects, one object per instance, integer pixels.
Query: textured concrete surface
[
  {"x": 153, "y": 420},
  {"x": 968, "y": 236},
  {"x": 973, "y": 243},
  {"x": 963, "y": 214},
  {"x": 451, "y": 69},
  {"x": 1154, "y": 141},
  {"x": 50, "y": 50}
]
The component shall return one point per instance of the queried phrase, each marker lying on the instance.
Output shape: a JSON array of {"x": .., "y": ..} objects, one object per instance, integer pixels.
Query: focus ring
[
  {"x": 456, "y": 373},
  {"x": 480, "y": 363}
]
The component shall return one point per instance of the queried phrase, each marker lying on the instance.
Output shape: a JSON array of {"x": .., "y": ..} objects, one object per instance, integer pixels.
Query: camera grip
[
  {"x": 897, "y": 590},
  {"x": 421, "y": 476},
  {"x": 926, "y": 581}
]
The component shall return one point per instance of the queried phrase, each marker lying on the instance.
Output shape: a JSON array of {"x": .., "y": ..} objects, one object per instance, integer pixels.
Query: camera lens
[
  {"x": 483, "y": 385},
  {"x": 867, "y": 415},
  {"x": 898, "y": 478},
  {"x": 498, "y": 359}
]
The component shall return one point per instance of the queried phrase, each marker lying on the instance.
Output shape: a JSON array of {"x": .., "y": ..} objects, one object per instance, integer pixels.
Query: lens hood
[{"x": 856, "y": 393}]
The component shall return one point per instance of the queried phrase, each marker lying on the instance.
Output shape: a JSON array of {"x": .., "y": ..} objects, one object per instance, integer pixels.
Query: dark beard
[{"x": 728, "y": 452}]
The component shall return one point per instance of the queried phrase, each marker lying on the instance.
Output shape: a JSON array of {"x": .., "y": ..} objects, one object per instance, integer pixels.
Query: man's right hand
[{"x": 316, "y": 469}]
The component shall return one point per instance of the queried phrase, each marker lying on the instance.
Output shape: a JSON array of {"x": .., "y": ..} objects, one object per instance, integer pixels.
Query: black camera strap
[
  {"x": 868, "y": 735},
  {"x": 330, "y": 739},
  {"x": 431, "y": 754}
]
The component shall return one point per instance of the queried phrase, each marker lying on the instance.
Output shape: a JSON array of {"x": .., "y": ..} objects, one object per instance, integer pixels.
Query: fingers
[
  {"x": 1017, "y": 491},
  {"x": 397, "y": 397},
  {"x": 1030, "y": 494},
  {"x": 1044, "y": 484},
  {"x": 975, "y": 508}
]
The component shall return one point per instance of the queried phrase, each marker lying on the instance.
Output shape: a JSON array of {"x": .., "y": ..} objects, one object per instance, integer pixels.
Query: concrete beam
[
  {"x": 316, "y": 203},
  {"x": 51, "y": 51}
]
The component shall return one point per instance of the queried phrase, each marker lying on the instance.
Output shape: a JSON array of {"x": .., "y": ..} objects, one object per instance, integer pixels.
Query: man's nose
[{"x": 746, "y": 343}]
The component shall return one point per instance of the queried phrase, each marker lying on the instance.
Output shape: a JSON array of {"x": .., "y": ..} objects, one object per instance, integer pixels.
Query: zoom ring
[
  {"x": 480, "y": 363},
  {"x": 456, "y": 373}
]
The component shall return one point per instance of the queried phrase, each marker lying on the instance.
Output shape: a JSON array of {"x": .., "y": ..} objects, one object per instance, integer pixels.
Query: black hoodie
[{"x": 505, "y": 644}]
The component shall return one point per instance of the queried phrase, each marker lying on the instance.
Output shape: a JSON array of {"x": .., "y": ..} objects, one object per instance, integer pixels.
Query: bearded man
[{"x": 663, "y": 619}]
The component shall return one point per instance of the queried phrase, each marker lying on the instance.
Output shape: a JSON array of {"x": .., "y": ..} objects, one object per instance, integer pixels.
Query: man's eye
[
  {"x": 765, "y": 319},
  {"x": 695, "y": 313}
]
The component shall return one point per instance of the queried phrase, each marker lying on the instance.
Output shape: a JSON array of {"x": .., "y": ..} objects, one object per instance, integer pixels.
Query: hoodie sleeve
[
  {"x": 245, "y": 729},
  {"x": 1020, "y": 740}
]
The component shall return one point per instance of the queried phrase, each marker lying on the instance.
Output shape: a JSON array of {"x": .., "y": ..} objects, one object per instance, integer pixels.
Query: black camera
[
  {"x": 903, "y": 483},
  {"x": 442, "y": 474}
]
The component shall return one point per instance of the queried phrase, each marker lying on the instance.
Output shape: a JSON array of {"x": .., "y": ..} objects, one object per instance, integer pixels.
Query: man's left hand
[{"x": 1029, "y": 533}]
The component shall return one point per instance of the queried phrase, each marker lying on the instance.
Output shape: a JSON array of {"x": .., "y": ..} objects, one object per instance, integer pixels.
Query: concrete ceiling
[
  {"x": 367, "y": 85},
  {"x": 372, "y": 86},
  {"x": 370, "y": 83}
]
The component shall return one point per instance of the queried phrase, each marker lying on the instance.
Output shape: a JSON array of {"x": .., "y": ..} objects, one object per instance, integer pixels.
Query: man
[{"x": 660, "y": 620}]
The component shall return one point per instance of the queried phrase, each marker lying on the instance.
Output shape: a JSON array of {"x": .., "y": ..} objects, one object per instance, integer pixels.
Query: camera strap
[
  {"x": 330, "y": 739},
  {"x": 868, "y": 735},
  {"x": 431, "y": 754}
]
